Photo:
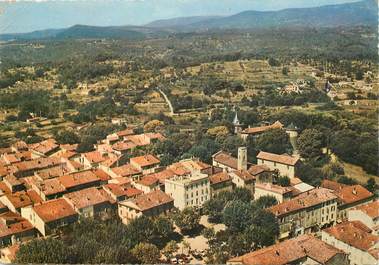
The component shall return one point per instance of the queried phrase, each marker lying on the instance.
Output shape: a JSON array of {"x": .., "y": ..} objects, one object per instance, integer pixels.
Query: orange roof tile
[
  {"x": 120, "y": 190},
  {"x": 85, "y": 198},
  {"x": 123, "y": 146},
  {"x": 332, "y": 185},
  {"x": 45, "y": 146},
  {"x": 54, "y": 210},
  {"x": 94, "y": 157},
  {"x": 273, "y": 188},
  {"x": 144, "y": 161},
  {"x": 101, "y": 174},
  {"x": 243, "y": 174},
  {"x": 19, "y": 199},
  {"x": 371, "y": 209},
  {"x": 148, "y": 180},
  {"x": 355, "y": 193},
  {"x": 16, "y": 224},
  {"x": 51, "y": 186},
  {"x": 78, "y": 178},
  {"x": 219, "y": 178},
  {"x": 150, "y": 200},
  {"x": 261, "y": 129},
  {"x": 282, "y": 159},
  {"x": 33, "y": 195},
  {"x": 290, "y": 251},
  {"x": 226, "y": 159},
  {"x": 258, "y": 169},
  {"x": 126, "y": 170},
  {"x": 38, "y": 163},
  {"x": 303, "y": 201},
  {"x": 162, "y": 175},
  {"x": 354, "y": 234}
]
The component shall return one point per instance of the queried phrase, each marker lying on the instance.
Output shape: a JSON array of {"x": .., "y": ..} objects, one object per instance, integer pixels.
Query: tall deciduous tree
[{"x": 310, "y": 143}]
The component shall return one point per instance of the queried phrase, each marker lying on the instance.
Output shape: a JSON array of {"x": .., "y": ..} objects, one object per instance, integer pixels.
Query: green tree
[
  {"x": 371, "y": 185},
  {"x": 310, "y": 143},
  {"x": 283, "y": 181},
  {"x": 67, "y": 137},
  {"x": 188, "y": 219},
  {"x": 274, "y": 141},
  {"x": 44, "y": 251},
  {"x": 237, "y": 215},
  {"x": 146, "y": 253},
  {"x": 170, "y": 248},
  {"x": 266, "y": 201},
  {"x": 163, "y": 227}
]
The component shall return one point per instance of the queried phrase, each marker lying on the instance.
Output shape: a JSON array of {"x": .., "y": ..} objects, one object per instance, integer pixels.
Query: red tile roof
[
  {"x": 290, "y": 251},
  {"x": 51, "y": 186},
  {"x": 148, "y": 181},
  {"x": 95, "y": 157},
  {"x": 19, "y": 199},
  {"x": 219, "y": 178},
  {"x": 355, "y": 234},
  {"x": 332, "y": 185},
  {"x": 123, "y": 146},
  {"x": 38, "y": 163},
  {"x": 282, "y": 159},
  {"x": 150, "y": 200},
  {"x": 144, "y": 161},
  {"x": 16, "y": 224},
  {"x": 226, "y": 159},
  {"x": 258, "y": 169},
  {"x": 85, "y": 198},
  {"x": 371, "y": 209},
  {"x": 243, "y": 174},
  {"x": 78, "y": 178},
  {"x": 164, "y": 174},
  {"x": 126, "y": 170},
  {"x": 303, "y": 201},
  {"x": 120, "y": 190},
  {"x": 261, "y": 129},
  {"x": 355, "y": 193},
  {"x": 101, "y": 174},
  {"x": 54, "y": 210},
  {"x": 45, "y": 146},
  {"x": 273, "y": 188}
]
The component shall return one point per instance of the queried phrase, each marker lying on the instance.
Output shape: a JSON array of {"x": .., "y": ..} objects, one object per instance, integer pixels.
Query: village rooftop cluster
[{"x": 47, "y": 186}]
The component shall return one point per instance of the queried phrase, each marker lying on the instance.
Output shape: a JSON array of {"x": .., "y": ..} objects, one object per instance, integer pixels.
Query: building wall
[
  {"x": 356, "y": 256},
  {"x": 224, "y": 167},
  {"x": 284, "y": 170},
  {"x": 127, "y": 213},
  {"x": 220, "y": 187},
  {"x": 191, "y": 194},
  {"x": 18, "y": 237},
  {"x": 344, "y": 209},
  {"x": 358, "y": 215},
  {"x": 308, "y": 220},
  {"x": 262, "y": 192}
]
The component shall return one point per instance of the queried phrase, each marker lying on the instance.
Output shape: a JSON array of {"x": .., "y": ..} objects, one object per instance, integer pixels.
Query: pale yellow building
[
  {"x": 189, "y": 190},
  {"x": 151, "y": 204},
  {"x": 278, "y": 192},
  {"x": 356, "y": 240},
  {"x": 285, "y": 164},
  {"x": 308, "y": 212}
]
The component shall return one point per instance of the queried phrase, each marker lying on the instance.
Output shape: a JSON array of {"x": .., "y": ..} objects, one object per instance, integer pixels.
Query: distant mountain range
[{"x": 349, "y": 14}]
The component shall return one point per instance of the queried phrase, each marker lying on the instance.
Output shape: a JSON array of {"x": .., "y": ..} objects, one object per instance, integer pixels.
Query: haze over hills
[{"x": 349, "y": 14}]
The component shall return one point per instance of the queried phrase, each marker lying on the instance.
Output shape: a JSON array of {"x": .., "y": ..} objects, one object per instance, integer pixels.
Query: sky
[{"x": 18, "y": 16}]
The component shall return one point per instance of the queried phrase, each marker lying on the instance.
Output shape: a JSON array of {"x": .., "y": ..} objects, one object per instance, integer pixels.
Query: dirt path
[{"x": 167, "y": 101}]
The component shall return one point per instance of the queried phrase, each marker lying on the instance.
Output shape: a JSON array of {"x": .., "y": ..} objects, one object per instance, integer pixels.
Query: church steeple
[{"x": 236, "y": 123}]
